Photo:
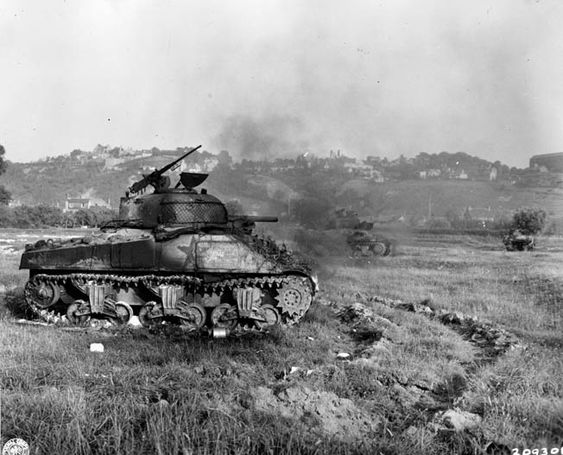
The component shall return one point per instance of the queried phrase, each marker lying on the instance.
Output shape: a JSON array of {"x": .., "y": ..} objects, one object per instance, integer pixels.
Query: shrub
[
  {"x": 529, "y": 221},
  {"x": 438, "y": 223}
]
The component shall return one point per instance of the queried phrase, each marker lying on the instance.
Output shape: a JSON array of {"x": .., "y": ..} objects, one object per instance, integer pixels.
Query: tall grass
[
  {"x": 521, "y": 291},
  {"x": 175, "y": 393}
]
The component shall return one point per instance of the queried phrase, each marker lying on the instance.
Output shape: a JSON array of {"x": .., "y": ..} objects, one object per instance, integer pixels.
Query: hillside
[
  {"x": 291, "y": 188},
  {"x": 418, "y": 198}
]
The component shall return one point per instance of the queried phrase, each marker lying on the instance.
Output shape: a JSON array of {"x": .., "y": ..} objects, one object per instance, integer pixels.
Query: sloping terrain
[
  {"x": 51, "y": 182},
  {"x": 438, "y": 197}
]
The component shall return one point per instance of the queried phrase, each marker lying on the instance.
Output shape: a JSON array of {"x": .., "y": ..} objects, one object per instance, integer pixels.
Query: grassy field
[{"x": 292, "y": 390}]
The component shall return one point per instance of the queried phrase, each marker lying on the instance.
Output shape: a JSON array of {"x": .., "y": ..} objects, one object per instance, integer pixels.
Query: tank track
[
  {"x": 117, "y": 279},
  {"x": 290, "y": 295}
]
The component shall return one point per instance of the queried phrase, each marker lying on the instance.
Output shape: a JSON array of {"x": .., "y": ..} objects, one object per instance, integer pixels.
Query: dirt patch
[
  {"x": 325, "y": 411},
  {"x": 492, "y": 340},
  {"x": 367, "y": 326},
  {"x": 436, "y": 404}
]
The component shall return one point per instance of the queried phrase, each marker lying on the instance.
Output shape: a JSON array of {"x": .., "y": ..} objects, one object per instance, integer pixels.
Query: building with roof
[
  {"x": 73, "y": 204},
  {"x": 549, "y": 162}
]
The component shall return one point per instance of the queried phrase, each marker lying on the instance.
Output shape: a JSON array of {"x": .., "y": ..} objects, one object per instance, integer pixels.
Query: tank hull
[
  {"x": 213, "y": 280},
  {"x": 189, "y": 253},
  {"x": 364, "y": 245}
]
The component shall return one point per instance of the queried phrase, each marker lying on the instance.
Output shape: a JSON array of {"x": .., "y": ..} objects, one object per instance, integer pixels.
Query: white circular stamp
[{"x": 15, "y": 446}]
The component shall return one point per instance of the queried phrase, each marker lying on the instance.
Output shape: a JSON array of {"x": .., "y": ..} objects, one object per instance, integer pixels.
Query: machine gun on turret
[{"x": 156, "y": 177}]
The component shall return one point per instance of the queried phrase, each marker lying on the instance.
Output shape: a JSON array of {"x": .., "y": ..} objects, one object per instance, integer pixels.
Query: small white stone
[
  {"x": 459, "y": 420},
  {"x": 342, "y": 355},
  {"x": 96, "y": 347},
  {"x": 134, "y": 321}
]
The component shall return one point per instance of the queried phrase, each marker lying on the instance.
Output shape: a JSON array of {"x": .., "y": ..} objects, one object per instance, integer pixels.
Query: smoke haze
[
  {"x": 266, "y": 79},
  {"x": 266, "y": 138}
]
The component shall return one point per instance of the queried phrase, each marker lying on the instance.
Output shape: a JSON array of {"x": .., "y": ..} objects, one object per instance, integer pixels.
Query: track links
[{"x": 286, "y": 286}]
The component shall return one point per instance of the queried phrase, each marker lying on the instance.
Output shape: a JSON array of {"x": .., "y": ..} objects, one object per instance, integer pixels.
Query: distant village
[
  {"x": 544, "y": 170},
  {"x": 443, "y": 165}
]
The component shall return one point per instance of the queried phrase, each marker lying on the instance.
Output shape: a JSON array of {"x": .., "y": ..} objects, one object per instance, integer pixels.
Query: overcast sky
[{"x": 268, "y": 77}]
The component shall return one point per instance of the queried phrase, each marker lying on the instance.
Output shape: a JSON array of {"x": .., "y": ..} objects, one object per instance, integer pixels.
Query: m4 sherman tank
[
  {"x": 517, "y": 241},
  {"x": 362, "y": 241},
  {"x": 173, "y": 256},
  {"x": 365, "y": 245}
]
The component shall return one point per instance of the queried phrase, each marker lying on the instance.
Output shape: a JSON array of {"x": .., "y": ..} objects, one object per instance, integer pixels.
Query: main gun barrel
[
  {"x": 263, "y": 219},
  {"x": 254, "y": 218}
]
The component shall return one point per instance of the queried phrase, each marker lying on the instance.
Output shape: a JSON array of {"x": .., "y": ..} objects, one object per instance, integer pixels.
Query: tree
[
  {"x": 467, "y": 219},
  {"x": 5, "y": 196},
  {"x": 454, "y": 219},
  {"x": 84, "y": 217},
  {"x": 529, "y": 221},
  {"x": 102, "y": 215},
  {"x": 438, "y": 223},
  {"x": 225, "y": 158},
  {"x": 6, "y": 217},
  {"x": 49, "y": 216},
  {"x": 3, "y": 163},
  {"x": 24, "y": 217}
]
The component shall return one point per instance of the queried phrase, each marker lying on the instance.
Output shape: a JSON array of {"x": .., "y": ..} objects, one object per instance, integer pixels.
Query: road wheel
[
  {"x": 75, "y": 313},
  {"x": 145, "y": 317},
  {"x": 124, "y": 313},
  {"x": 224, "y": 316},
  {"x": 194, "y": 316},
  {"x": 271, "y": 317},
  {"x": 378, "y": 249}
]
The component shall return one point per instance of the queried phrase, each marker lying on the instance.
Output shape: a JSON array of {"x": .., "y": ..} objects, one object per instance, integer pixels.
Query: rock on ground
[{"x": 457, "y": 420}]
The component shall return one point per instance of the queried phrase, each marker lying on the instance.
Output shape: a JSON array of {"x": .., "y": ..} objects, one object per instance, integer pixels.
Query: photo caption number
[{"x": 542, "y": 451}]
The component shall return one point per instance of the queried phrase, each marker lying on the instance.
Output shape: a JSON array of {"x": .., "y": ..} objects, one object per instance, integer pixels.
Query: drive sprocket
[{"x": 294, "y": 298}]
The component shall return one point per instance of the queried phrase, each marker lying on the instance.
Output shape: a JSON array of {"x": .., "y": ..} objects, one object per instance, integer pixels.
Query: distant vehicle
[
  {"x": 516, "y": 241},
  {"x": 175, "y": 256},
  {"x": 365, "y": 245},
  {"x": 360, "y": 238}
]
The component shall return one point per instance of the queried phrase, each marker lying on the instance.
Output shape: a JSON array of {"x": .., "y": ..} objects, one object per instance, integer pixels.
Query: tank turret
[
  {"x": 173, "y": 207},
  {"x": 173, "y": 256}
]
